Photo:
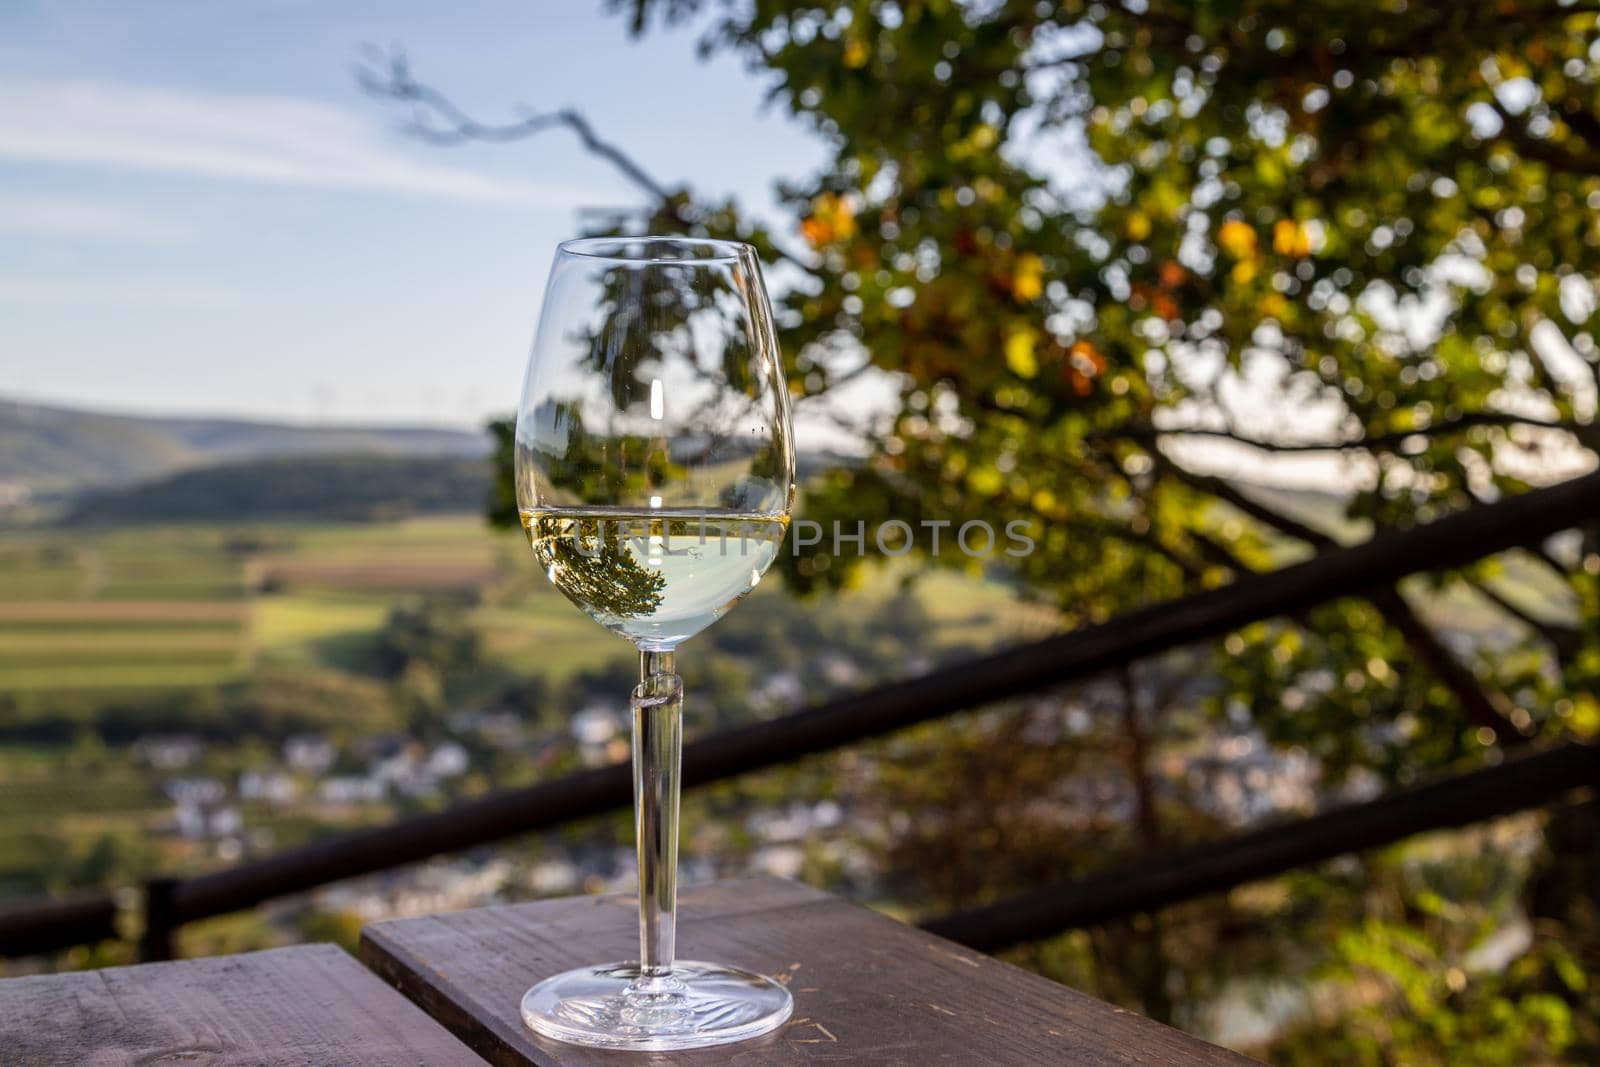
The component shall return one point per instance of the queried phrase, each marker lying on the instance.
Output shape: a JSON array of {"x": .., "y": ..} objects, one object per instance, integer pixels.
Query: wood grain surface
[
  {"x": 307, "y": 1006},
  {"x": 867, "y": 989}
]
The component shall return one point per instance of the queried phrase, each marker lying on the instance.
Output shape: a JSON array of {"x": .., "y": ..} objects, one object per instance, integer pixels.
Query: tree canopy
[{"x": 1098, "y": 252}]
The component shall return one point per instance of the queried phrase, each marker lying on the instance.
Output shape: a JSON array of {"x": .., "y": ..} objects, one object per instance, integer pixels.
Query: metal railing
[
  {"x": 1333, "y": 574},
  {"x": 51, "y": 925},
  {"x": 1523, "y": 781}
]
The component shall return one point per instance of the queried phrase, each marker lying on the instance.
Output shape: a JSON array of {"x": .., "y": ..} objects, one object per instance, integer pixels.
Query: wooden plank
[
  {"x": 867, "y": 989},
  {"x": 308, "y": 1006}
]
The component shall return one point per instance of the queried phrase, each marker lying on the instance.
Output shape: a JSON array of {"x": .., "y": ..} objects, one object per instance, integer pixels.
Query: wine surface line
[{"x": 654, "y": 576}]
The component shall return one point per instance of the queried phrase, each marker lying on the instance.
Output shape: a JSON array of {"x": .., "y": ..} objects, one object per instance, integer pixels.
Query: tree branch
[
  {"x": 437, "y": 118},
  {"x": 440, "y": 120},
  {"x": 1219, "y": 553},
  {"x": 1484, "y": 706},
  {"x": 1225, "y": 491},
  {"x": 1550, "y": 153},
  {"x": 1566, "y": 640},
  {"x": 1136, "y": 746},
  {"x": 1145, "y": 433},
  {"x": 1545, "y": 556}
]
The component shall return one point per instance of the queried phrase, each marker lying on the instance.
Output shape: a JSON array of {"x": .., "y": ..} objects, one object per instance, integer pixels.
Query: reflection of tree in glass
[
  {"x": 587, "y": 559},
  {"x": 623, "y": 338},
  {"x": 682, "y": 318},
  {"x": 590, "y": 466}
]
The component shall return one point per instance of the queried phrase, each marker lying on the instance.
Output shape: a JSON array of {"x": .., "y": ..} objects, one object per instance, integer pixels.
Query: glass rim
[{"x": 615, "y": 249}]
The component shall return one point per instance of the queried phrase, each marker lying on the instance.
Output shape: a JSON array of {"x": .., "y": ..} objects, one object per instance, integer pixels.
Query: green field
[
  {"x": 190, "y": 605},
  {"x": 181, "y": 606},
  {"x": 103, "y": 628}
]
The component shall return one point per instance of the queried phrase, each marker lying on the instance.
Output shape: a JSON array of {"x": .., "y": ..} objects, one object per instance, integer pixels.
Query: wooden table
[
  {"x": 308, "y": 1006},
  {"x": 867, "y": 990}
]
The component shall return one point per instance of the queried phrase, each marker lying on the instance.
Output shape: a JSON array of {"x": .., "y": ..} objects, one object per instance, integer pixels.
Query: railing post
[{"x": 160, "y": 920}]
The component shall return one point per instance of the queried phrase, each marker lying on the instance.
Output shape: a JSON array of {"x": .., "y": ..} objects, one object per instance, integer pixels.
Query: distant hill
[
  {"x": 297, "y": 487},
  {"x": 53, "y": 449}
]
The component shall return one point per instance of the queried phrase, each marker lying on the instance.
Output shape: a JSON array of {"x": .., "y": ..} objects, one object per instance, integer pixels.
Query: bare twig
[
  {"x": 1145, "y": 433},
  {"x": 1553, "y": 154},
  {"x": 438, "y": 119},
  {"x": 1564, "y": 639}
]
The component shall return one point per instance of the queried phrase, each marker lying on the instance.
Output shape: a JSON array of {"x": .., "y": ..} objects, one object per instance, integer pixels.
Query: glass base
[{"x": 699, "y": 1004}]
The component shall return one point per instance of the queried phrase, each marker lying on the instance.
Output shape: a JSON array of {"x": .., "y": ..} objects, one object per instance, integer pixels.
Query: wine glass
[{"x": 655, "y": 477}]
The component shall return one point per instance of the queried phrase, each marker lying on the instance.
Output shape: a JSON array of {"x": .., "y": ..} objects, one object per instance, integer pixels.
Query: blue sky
[{"x": 200, "y": 212}]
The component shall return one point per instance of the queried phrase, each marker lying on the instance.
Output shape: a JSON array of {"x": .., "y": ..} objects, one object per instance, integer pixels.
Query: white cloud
[
  {"x": 262, "y": 139},
  {"x": 118, "y": 293},
  {"x": 46, "y": 215}
]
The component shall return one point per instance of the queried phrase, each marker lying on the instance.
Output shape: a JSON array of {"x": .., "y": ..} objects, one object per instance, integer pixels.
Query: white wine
[{"x": 656, "y": 577}]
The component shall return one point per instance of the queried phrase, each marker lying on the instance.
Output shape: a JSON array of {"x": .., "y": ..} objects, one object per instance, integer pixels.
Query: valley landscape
[
  {"x": 220, "y": 658},
  {"x": 231, "y": 657}
]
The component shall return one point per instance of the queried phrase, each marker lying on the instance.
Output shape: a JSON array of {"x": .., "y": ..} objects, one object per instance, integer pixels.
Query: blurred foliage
[
  {"x": 105, "y": 860},
  {"x": 429, "y": 633},
  {"x": 502, "y": 502},
  {"x": 1439, "y": 968},
  {"x": 1422, "y": 1008},
  {"x": 1071, "y": 242},
  {"x": 1284, "y": 198},
  {"x": 1061, "y": 232},
  {"x": 343, "y": 928},
  {"x": 273, "y": 703}
]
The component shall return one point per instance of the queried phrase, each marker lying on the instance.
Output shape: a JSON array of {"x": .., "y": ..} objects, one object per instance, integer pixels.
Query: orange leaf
[
  {"x": 1027, "y": 282},
  {"x": 1290, "y": 239},
  {"x": 832, "y": 219},
  {"x": 1237, "y": 238},
  {"x": 1087, "y": 358}
]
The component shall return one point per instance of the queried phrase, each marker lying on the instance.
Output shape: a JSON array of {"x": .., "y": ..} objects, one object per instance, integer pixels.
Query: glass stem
[{"x": 657, "y": 707}]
